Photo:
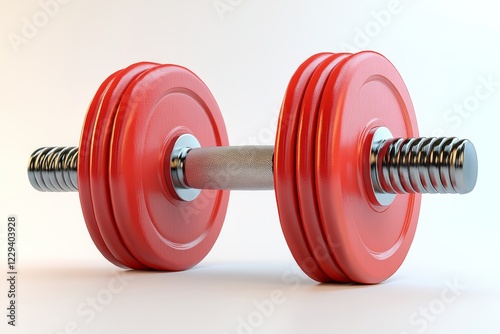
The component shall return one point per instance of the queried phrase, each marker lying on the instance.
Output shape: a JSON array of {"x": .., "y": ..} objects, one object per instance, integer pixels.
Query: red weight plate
[
  {"x": 84, "y": 188},
  {"x": 364, "y": 92},
  {"x": 284, "y": 169},
  {"x": 99, "y": 164},
  {"x": 160, "y": 230},
  {"x": 306, "y": 179}
]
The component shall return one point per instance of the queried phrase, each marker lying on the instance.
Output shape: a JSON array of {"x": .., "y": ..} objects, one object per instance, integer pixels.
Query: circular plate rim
[
  {"x": 142, "y": 239},
  {"x": 284, "y": 169},
  {"x": 305, "y": 170},
  {"x": 99, "y": 164},
  {"x": 83, "y": 172},
  {"x": 356, "y": 260}
]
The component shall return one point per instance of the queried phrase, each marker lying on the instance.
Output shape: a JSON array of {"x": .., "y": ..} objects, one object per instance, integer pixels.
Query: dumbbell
[{"x": 153, "y": 168}]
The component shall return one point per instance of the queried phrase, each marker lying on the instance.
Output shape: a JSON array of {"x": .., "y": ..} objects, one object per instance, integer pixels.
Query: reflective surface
[
  {"x": 177, "y": 165},
  {"x": 426, "y": 165},
  {"x": 397, "y": 166},
  {"x": 53, "y": 169}
]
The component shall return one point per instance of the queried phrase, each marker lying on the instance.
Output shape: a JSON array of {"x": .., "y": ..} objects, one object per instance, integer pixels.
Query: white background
[{"x": 444, "y": 50}]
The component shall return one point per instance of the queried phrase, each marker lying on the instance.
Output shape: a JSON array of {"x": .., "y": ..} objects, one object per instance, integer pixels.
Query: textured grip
[{"x": 234, "y": 167}]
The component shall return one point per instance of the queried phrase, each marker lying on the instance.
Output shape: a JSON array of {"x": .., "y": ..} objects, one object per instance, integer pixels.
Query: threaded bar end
[
  {"x": 53, "y": 169},
  {"x": 426, "y": 165}
]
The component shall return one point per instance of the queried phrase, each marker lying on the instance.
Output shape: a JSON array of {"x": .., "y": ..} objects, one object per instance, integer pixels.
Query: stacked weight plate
[
  {"x": 334, "y": 226},
  {"x": 133, "y": 217}
]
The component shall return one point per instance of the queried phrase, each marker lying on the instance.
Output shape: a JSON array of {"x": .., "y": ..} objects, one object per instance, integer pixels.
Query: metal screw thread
[
  {"x": 54, "y": 169},
  {"x": 425, "y": 165}
]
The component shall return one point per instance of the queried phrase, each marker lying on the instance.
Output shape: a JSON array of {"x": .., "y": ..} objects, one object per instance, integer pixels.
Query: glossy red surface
[
  {"x": 285, "y": 179},
  {"x": 363, "y": 92},
  {"x": 160, "y": 230},
  {"x": 99, "y": 164},
  {"x": 84, "y": 188},
  {"x": 306, "y": 172}
]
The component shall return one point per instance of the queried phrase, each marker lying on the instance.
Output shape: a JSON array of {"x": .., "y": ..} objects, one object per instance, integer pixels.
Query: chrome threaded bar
[
  {"x": 53, "y": 169},
  {"x": 425, "y": 165},
  {"x": 397, "y": 166}
]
